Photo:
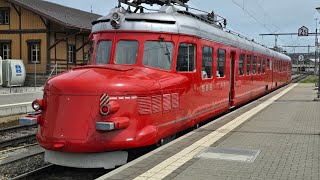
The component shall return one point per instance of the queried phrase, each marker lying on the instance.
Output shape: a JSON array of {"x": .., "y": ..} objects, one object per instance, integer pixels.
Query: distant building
[{"x": 43, "y": 34}]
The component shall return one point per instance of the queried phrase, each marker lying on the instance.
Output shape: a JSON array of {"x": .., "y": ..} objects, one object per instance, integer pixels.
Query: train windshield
[
  {"x": 127, "y": 52},
  {"x": 103, "y": 52},
  {"x": 158, "y": 54}
]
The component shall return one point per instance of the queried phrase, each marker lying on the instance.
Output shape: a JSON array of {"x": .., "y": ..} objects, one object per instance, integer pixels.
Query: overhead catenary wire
[{"x": 257, "y": 20}]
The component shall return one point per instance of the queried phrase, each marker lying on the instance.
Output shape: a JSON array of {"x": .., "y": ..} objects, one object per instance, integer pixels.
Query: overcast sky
[{"x": 248, "y": 17}]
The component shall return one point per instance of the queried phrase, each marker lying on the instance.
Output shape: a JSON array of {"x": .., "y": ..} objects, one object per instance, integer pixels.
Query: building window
[
  {"x": 5, "y": 49},
  {"x": 241, "y": 64},
  {"x": 186, "y": 57},
  {"x": 207, "y": 55},
  {"x": 71, "y": 54},
  {"x": 4, "y": 16},
  {"x": 34, "y": 51}
]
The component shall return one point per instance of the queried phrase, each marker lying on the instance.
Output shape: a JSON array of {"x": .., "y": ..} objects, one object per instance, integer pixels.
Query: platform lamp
[{"x": 317, "y": 48}]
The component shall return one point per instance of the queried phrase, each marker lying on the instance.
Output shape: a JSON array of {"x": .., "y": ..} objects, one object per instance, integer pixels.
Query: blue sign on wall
[{"x": 18, "y": 69}]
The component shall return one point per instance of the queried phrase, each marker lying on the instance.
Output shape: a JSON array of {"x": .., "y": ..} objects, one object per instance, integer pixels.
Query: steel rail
[
  {"x": 2, "y": 131},
  {"x": 34, "y": 172},
  {"x": 18, "y": 140}
]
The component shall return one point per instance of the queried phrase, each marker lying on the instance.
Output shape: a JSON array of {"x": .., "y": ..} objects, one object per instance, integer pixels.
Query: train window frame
[
  {"x": 204, "y": 73},
  {"x": 117, "y": 53},
  {"x": 166, "y": 47},
  {"x": 268, "y": 64},
  {"x": 97, "y": 50},
  {"x": 218, "y": 74},
  {"x": 188, "y": 63},
  {"x": 264, "y": 65},
  {"x": 248, "y": 70},
  {"x": 259, "y": 65},
  {"x": 254, "y": 65},
  {"x": 241, "y": 59}
]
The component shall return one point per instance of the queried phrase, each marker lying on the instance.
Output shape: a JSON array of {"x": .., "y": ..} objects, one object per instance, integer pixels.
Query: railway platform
[
  {"x": 275, "y": 137},
  {"x": 17, "y": 103}
]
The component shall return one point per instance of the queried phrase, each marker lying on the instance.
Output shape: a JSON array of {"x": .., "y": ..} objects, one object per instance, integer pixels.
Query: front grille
[
  {"x": 156, "y": 104},
  {"x": 166, "y": 102},
  {"x": 144, "y": 105}
]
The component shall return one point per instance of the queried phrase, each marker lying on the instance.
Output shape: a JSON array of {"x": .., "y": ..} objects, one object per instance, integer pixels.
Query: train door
[
  {"x": 232, "y": 78},
  {"x": 188, "y": 52}
]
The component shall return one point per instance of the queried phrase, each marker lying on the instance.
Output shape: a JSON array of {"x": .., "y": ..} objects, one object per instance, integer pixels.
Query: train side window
[
  {"x": 263, "y": 65},
  {"x": 254, "y": 65},
  {"x": 268, "y": 64},
  {"x": 248, "y": 64},
  {"x": 127, "y": 52},
  {"x": 241, "y": 64},
  {"x": 259, "y": 65},
  {"x": 207, "y": 56},
  {"x": 158, "y": 54},
  {"x": 221, "y": 62},
  {"x": 186, "y": 57}
]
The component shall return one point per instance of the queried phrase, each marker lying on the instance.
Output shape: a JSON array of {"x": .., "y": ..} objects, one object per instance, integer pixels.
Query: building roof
[{"x": 66, "y": 16}]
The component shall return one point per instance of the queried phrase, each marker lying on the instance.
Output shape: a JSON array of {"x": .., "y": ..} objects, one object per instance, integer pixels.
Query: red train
[{"x": 151, "y": 75}]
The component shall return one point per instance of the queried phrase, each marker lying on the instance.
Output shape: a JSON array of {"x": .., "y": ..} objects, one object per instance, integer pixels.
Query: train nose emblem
[{"x": 104, "y": 104}]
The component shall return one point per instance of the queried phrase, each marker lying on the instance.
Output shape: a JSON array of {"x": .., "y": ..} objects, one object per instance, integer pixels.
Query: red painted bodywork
[{"x": 152, "y": 103}]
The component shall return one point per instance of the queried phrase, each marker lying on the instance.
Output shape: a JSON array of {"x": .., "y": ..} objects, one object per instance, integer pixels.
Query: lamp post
[{"x": 317, "y": 48}]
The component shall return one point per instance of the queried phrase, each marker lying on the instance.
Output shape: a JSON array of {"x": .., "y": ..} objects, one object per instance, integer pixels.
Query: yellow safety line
[{"x": 16, "y": 148}]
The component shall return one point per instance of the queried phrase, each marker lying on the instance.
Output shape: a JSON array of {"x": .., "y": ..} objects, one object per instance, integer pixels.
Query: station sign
[{"x": 303, "y": 31}]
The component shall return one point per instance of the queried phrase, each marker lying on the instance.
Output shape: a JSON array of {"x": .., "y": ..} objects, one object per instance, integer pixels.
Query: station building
[{"x": 46, "y": 36}]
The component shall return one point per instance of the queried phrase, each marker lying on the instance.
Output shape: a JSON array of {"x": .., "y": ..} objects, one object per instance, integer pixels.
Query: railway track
[
  {"x": 13, "y": 136},
  {"x": 299, "y": 78}
]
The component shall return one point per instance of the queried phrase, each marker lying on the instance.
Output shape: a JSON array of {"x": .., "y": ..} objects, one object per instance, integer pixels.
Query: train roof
[{"x": 170, "y": 20}]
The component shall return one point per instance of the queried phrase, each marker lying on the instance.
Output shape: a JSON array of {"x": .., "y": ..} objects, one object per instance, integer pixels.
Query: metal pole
[
  {"x": 35, "y": 75},
  {"x": 315, "y": 52},
  {"x": 319, "y": 81}
]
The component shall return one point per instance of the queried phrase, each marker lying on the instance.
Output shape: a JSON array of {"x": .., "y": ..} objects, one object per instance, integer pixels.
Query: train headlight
[
  {"x": 115, "y": 16},
  {"x": 37, "y": 104}
]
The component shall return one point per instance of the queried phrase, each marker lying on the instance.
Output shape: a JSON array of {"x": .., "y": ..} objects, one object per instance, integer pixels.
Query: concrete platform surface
[
  {"x": 12, "y": 104},
  {"x": 7, "y": 99},
  {"x": 14, "y": 90},
  {"x": 275, "y": 137}
]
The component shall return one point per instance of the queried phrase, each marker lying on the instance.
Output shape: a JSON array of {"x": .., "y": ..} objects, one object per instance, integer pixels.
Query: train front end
[
  {"x": 91, "y": 116},
  {"x": 88, "y": 116}
]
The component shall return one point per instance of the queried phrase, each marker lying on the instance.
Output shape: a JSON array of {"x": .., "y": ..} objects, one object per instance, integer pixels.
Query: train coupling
[{"x": 31, "y": 119}]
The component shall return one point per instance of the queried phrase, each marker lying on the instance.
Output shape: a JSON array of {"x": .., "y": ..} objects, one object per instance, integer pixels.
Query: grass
[{"x": 311, "y": 79}]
